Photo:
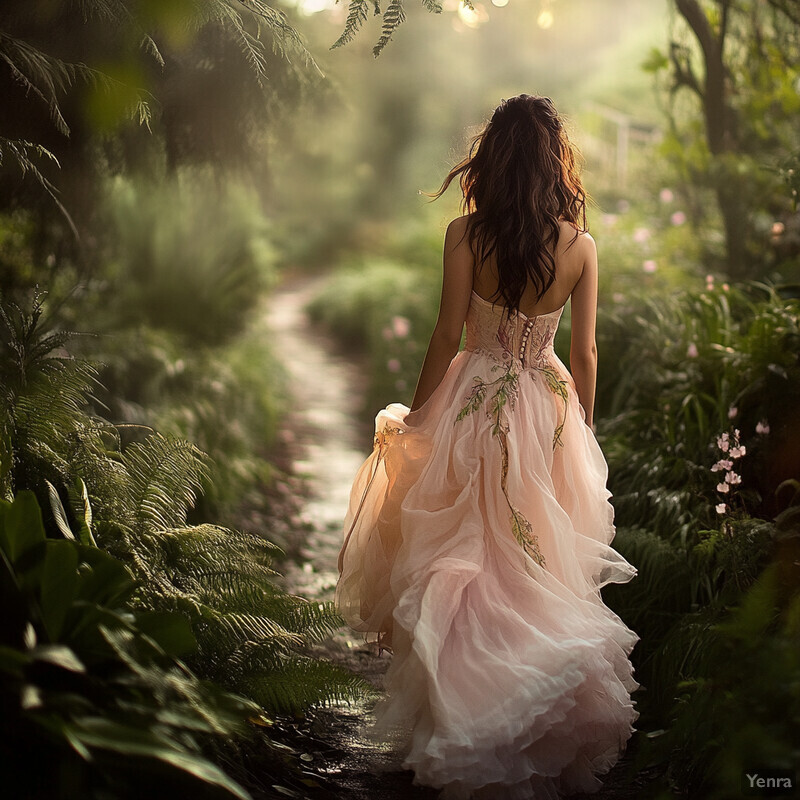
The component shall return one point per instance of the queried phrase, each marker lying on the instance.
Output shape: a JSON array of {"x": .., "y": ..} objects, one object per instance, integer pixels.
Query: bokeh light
[
  {"x": 545, "y": 19},
  {"x": 473, "y": 17}
]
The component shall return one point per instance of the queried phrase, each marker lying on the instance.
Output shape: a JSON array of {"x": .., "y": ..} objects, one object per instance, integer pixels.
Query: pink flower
[
  {"x": 732, "y": 412},
  {"x": 641, "y": 235},
  {"x": 721, "y": 508},
  {"x": 649, "y": 266},
  {"x": 738, "y": 452},
  {"x": 723, "y": 488},
  {"x": 691, "y": 350},
  {"x": 723, "y": 443},
  {"x": 733, "y": 477},
  {"x": 762, "y": 427},
  {"x": 723, "y": 463},
  {"x": 778, "y": 228},
  {"x": 401, "y": 327},
  {"x": 393, "y": 365},
  {"x": 725, "y": 287},
  {"x": 678, "y": 218},
  {"x": 666, "y": 196}
]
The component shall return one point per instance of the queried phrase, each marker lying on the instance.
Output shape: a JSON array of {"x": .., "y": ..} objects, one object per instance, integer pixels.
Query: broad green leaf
[
  {"x": 103, "y": 734},
  {"x": 59, "y": 585},
  {"x": 21, "y": 526},
  {"x": 172, "y": 632},
  {"x": 107, "y": 581},
  {"x": 83, "y": 510},
  {"x": 60, "y": 656}
]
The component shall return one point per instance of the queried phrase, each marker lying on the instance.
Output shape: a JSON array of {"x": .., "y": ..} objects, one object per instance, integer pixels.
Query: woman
[{"x": 479, "y": 529}]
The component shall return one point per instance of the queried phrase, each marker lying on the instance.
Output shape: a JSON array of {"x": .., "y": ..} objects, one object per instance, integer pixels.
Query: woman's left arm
[{"x": 458, "y": 266}]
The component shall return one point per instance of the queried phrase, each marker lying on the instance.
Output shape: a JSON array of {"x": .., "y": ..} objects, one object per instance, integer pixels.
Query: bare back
[{"x": 569, "y": 257}]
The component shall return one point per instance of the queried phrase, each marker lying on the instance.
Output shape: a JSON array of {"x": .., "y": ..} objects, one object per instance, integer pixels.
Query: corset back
[{"x": 528, "y": 340}]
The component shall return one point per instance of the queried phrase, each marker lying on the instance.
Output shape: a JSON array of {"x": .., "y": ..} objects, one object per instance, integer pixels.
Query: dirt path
[{"x": 328, "y": 443}]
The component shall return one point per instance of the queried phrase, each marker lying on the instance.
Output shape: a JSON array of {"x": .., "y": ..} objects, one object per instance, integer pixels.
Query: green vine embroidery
[
  {"x": 559, "y": 388},
  {"x": 506, "y": 387}
]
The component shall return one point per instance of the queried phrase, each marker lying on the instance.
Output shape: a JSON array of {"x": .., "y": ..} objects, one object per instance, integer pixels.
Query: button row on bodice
[{"x": 528, "y": 340}]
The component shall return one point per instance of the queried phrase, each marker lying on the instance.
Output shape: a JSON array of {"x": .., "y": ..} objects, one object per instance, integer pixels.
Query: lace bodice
[{"x": 528, "y": 340}]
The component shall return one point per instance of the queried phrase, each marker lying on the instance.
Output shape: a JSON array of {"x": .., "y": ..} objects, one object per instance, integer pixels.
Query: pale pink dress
[{"x": 476, "y": 542}]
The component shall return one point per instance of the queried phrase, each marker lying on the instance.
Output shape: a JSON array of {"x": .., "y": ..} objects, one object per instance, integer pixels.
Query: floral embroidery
[
  {"x": 559, "y": 388},
  {"x": 501, "y": 394},
  {"x": 505, "y": 394},
  {"x": 381, "y": 440}
]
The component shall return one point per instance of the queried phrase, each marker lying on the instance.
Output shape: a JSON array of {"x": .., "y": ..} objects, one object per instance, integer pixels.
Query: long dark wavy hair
[{"x": 519, "y": 180}]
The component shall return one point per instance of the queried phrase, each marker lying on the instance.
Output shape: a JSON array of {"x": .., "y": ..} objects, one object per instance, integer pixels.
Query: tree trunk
[{"x": 720, "y": 127}]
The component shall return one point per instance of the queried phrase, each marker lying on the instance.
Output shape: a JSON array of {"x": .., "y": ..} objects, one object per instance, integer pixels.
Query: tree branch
[
  {"x": 787, "y": 8},
  {"x": 682, "y": 70}
]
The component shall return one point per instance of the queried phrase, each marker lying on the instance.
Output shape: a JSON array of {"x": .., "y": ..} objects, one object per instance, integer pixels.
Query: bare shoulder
[
  {"x": 574, "y": 240},
  {"x": 456, "y": 232}
]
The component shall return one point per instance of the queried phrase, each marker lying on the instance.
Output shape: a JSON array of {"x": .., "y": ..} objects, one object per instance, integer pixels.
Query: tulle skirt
[{"x": 475, "y": 549}]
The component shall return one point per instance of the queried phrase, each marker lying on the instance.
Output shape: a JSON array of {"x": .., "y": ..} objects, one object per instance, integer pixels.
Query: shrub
[
  {"x": 92, "y": 686},
  {"x": 134, "y": 501}
]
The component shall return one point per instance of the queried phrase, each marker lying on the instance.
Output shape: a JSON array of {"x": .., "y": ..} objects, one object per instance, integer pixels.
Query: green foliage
[
  {"x": 393, "y": 17},
  {"x": 133, "y": 500},
  {"x": 93, "y": 687},
  {"x": 789, "y": 172},
  {"x": 47, "y": 76},
  {"x": 679, "y": 365},
  {"x": 225, "y": 399},
  {"x": 733, "y": 102},
  {"x": 357, "y": 14},
  {"x": 191, "y": 255},
  {"x": 737, "y": 706}
]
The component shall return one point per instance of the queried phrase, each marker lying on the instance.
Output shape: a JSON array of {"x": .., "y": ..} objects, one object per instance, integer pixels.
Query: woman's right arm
[
  {"x": 583, "y": 347},
  {"x": 458, "y": 268}
]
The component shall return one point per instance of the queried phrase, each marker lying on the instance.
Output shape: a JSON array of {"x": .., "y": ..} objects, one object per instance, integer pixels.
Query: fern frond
[
  {"x": 23, "y": 153},
  {"x": 303, "y": 682},
  {"x": 48, "y": 77},
  {"x": 357, "y": 14},
  {"x": 40, "y": 73},
  {"x": 117, "y": 14},
  {"x": 314, "y": 620},
  {"x": 252, "y": 49},
  {"x": 434, "y": 6},
  {"x": 164, "y": 477},
  {"x": 283, "y": 34},
  {"x": 393, "y": 17},
  {"x": 53, "y": 398},
  {"x": 661, "y": 590}
]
